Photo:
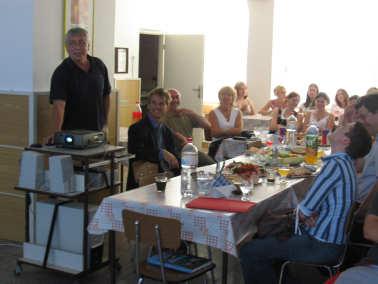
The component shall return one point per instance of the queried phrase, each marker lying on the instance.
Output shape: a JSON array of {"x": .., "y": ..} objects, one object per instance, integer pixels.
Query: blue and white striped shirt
[{"x": 331, "y": 196}]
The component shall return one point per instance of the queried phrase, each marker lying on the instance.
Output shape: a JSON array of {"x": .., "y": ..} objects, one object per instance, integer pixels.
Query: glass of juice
[{"x": 283, "y": 171}]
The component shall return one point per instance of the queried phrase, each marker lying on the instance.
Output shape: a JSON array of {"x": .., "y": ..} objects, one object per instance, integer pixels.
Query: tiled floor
[{"x": 35, "y": 275}]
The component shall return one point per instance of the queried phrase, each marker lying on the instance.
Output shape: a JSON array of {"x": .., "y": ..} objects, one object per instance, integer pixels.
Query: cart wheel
[{"x": 18, "y": 269}]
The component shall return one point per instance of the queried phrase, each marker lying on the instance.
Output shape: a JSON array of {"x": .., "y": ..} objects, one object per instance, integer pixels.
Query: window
[{"x": 330, "y": 43}]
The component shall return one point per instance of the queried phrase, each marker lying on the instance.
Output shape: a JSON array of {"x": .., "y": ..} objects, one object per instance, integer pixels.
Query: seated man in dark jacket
[{"x": 152, "y": 141}]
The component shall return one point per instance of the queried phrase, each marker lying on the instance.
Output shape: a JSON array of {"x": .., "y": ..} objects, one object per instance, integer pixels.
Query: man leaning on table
[
  {"x": 80, "y": 87},
  {"x": 322, "y": 215},
  {"x": 151, "y": 140},
  {"x": 182, "y": 121}
]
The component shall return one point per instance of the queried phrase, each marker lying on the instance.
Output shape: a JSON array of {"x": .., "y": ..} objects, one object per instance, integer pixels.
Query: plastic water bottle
[
  {"x": 311, "y": 139},
  {"x": 291, "y": 131},
  {"x": 189, "y": 164}
]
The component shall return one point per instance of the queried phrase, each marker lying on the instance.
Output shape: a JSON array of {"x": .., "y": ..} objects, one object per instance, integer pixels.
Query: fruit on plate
[{"x": 244, "y": 168}]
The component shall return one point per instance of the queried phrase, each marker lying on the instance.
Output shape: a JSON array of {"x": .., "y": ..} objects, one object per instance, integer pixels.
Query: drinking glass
[
  {"x": 204, "y": 180},
  {"x": 246, "y": 186},
  {"x": 283, "y": 171}
]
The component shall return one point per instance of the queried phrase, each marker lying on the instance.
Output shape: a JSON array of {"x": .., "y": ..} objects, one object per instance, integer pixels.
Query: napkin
[
  {"x": 221, "y": 187},
  {"x": 220, "y": 204}
]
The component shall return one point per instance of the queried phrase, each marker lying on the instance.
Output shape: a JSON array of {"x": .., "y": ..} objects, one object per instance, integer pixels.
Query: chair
[
  {"x": 159, "y": 233},
  {"x": 331, "y": 269}
]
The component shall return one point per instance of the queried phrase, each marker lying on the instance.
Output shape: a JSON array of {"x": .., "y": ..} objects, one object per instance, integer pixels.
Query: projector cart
[{"x": 105, "y": 155}]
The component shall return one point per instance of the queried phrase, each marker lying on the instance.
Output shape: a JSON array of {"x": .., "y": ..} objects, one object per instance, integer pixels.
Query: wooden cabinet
[{"x": 128, "y": 94}]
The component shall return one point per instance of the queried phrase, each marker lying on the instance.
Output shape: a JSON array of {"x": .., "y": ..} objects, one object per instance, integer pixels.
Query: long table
[{"x": 221, "y": 230}]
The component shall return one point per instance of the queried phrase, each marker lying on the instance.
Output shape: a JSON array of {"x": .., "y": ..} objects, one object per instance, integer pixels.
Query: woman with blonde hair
[
  {"x": 279, "y": 102},
  {"x": 242, "y": 102},
  {"x": 226, "y": 120}
]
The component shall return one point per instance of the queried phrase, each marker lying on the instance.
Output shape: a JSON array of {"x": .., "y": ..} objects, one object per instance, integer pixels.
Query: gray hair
[{"x": 74, "y": 32}]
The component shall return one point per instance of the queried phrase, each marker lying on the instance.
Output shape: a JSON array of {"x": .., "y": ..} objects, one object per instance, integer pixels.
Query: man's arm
[
  {"x": 198, "y": 119},
  {"x": 58, "y": 114}
]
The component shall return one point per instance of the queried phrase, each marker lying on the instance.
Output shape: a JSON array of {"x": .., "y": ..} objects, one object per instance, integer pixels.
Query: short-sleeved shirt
[
  {"x": 373, "y": 252},
  {"x": 83, "y": 92},
  {"x": 369, "y": 175},
  {"x": 181, "y": 123}
]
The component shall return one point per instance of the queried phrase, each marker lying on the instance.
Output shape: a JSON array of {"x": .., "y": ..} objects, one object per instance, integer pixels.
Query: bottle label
[
  {"x": 189, "y": 160},
  {"x": 311, "y": 144}
]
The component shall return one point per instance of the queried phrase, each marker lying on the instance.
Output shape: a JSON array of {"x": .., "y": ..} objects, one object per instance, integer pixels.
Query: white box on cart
[{"x": 68, "y": 231}]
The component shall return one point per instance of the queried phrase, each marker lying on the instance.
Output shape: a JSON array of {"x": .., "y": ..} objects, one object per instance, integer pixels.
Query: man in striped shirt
[{"x": 322, "y": 214}]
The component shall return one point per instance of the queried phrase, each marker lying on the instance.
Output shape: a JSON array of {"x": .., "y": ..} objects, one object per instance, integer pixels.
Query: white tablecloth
[{"x": 222, "y": 230}]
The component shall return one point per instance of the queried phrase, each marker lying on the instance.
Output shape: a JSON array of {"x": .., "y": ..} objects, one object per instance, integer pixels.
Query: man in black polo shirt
[{"x": 80, "y": 87}]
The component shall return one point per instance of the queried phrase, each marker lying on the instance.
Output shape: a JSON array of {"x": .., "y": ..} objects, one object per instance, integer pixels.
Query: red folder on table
[{"x": 220, "y": 204}]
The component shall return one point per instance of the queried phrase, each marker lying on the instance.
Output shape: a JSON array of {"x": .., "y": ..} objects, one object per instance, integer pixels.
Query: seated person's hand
[
  {"x": 170, "y": 159},
  {"x": 309, "y": 221},
  {"x": 181, "y": 138}
]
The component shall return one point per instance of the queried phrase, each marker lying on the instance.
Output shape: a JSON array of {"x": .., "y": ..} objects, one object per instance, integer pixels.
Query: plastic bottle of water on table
[{"x": 189, "y": 164}]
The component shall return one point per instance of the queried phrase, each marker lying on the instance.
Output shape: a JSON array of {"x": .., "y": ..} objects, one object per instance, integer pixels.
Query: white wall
[
  {"x": 127, "y": 28},
  {"x": 103, "y": 33},
  {"x": 260, "y": 50},
  {"x": 16, "y": 54},
  {"x": 225, "y": 35},
  {"x": 47, "y": 41}
]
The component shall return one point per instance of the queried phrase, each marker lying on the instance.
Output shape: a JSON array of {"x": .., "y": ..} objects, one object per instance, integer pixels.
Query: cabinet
[{"x": 87, "y": 159}]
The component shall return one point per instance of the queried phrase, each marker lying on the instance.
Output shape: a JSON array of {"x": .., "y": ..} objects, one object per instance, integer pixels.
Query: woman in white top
[
  {"x": 319, "y": 116},
  {"x": 226, "y": 120},
  {"x": 341, "y": 102}
]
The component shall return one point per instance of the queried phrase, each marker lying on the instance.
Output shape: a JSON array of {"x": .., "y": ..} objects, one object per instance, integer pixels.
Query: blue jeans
[{"x": 257, "y": 256}]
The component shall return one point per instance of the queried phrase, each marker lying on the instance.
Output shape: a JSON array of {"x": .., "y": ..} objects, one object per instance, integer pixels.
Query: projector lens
[{"x": 68, "y": 139}]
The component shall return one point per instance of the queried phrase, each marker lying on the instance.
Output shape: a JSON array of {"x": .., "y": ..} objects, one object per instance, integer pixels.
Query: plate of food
[
  {"x": 301, "y": 150},
  {"x": 299, "y": 172}
]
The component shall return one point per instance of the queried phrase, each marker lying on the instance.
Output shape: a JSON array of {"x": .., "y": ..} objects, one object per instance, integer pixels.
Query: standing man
[
  {"x": 80, "y": 87},
  {"x": 367, "y": 114},
  {"x": 182, "y": 121},
  {"x": 152, "y": 141}
]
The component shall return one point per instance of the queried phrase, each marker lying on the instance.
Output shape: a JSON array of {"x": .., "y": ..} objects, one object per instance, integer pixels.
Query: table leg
[
  {"x": 112, "y": 257},
  {"x": 224, "y": 267}
]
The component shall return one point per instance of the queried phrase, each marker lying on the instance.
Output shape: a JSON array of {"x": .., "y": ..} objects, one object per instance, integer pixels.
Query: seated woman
[
  {"x": 226, "y": 120},
  {"x": 280, "y": 102},
  {"x": 320, "y": 117},
  {"x": 341, "y": 102},
  {"x": 309, "y": 104},
  {"x": 242, "y": 101},
  {"x": 279, "y": 116}
]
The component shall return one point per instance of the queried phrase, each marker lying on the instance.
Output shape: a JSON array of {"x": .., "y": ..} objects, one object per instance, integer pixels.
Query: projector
[{"x": 79, "y": 139}]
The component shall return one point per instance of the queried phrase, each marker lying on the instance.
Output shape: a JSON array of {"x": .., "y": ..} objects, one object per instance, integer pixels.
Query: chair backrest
[
  {"x": 170, "y": 229},
  {"x": 348, "y": 227}
]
